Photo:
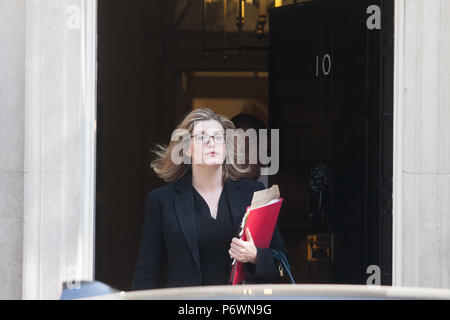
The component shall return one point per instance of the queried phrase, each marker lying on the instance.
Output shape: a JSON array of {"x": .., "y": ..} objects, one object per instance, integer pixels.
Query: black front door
[{"x": 331, "y": 97}]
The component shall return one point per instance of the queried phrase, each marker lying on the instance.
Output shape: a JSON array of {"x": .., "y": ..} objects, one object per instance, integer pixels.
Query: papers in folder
[{"x": 260, "y": 217}]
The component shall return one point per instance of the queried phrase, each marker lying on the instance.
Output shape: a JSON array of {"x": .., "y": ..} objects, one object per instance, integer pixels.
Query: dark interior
[{"x": 324, "y": 79}]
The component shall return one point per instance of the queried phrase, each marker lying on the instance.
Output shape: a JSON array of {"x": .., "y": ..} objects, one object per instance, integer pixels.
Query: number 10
[{"x": 326, "y": 65}]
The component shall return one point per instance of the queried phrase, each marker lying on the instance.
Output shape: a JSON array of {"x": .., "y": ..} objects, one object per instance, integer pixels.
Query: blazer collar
[{"x": 185, "y": 209}]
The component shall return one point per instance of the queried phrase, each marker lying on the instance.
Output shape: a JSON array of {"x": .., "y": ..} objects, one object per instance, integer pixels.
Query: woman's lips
[{"x": 212, "y": 153}]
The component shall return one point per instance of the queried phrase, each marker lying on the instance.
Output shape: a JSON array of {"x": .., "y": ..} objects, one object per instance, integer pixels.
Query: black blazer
[{"x": 169, "y": 239}]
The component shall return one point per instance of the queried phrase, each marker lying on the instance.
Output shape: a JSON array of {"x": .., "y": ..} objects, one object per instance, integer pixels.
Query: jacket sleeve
[
  {"x": 265, "y": 269},
  {"x": 152, "y": 252}
]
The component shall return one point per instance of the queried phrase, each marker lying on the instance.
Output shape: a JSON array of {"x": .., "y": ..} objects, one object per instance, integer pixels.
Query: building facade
[{"x": 48, "y": 129}]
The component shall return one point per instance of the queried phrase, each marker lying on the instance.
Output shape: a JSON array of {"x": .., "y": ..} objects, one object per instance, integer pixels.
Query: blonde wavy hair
[{"x": 169, "y": 171}]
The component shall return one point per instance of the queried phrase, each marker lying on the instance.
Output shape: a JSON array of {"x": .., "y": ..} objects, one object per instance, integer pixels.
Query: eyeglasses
[{"x": 204, "y": 138}]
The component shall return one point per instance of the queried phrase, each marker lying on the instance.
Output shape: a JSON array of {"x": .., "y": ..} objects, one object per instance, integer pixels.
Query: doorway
[
  {"x": 331, "y": 96},
  {"x": 326, "y": 83}
]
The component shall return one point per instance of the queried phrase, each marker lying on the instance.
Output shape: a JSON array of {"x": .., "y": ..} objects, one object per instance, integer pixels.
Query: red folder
[{"x": 261, "y": 222}]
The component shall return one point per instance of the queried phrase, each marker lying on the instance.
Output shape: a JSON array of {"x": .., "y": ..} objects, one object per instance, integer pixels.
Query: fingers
[
  {"x": 238, "y": 243},
  {"x": 243, "y": 251},
  {"x": 239, "y": 250},
  {"x": 239, "y": 255},
  {"x": 238, "y": 247},
  {"x": 236, "y": 251},
  {"x": 233, "y": 254}
]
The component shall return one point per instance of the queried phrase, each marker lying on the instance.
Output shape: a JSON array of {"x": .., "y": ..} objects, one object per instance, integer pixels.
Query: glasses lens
[
  {"x": 205, "y": 138},
  {"x": 199, "y": 138},
  {"x": 219, "y": 138}
]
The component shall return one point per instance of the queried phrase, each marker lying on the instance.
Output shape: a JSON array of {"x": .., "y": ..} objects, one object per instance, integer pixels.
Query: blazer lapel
[{"x": 184, "y": 208}]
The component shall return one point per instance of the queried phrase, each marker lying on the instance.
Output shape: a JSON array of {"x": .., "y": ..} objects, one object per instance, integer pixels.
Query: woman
[{"x": 191, "y": 222}]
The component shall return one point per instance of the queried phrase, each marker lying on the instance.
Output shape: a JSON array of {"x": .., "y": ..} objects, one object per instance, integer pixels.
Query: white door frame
[
  {"x": 421, "y": 167},
  {"x": 399, "y": 33},
  {"x": 60, "y": 140}
]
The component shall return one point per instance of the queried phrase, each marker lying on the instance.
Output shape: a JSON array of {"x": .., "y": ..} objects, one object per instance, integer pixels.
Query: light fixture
[{"x": 247, "y": 33}]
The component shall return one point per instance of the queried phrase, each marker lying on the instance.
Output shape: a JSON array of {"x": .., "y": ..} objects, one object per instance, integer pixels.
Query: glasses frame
[{"x": 209, "y": 138}]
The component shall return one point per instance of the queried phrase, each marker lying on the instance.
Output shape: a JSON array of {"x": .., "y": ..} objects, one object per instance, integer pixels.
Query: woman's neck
[{"x": 207, "y": 178}]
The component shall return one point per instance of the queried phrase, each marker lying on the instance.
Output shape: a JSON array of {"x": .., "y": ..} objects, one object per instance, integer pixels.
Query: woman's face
[{"x": 204, "y": 150}]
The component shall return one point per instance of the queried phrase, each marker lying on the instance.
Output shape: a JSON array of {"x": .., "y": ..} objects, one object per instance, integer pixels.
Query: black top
[{"x": 214, "y": 238}]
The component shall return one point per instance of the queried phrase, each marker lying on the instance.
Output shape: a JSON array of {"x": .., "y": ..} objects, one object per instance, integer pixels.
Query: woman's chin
[{"x": 212, "y": 161}]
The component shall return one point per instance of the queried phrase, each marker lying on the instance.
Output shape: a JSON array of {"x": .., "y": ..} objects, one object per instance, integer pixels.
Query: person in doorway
[
  {"x": 247, "y": 121},
  {"x": 191, "y": 223}
]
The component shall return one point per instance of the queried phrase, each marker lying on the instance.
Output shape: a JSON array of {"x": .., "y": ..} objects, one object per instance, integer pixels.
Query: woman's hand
[{"x": 243, "y": 251}]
